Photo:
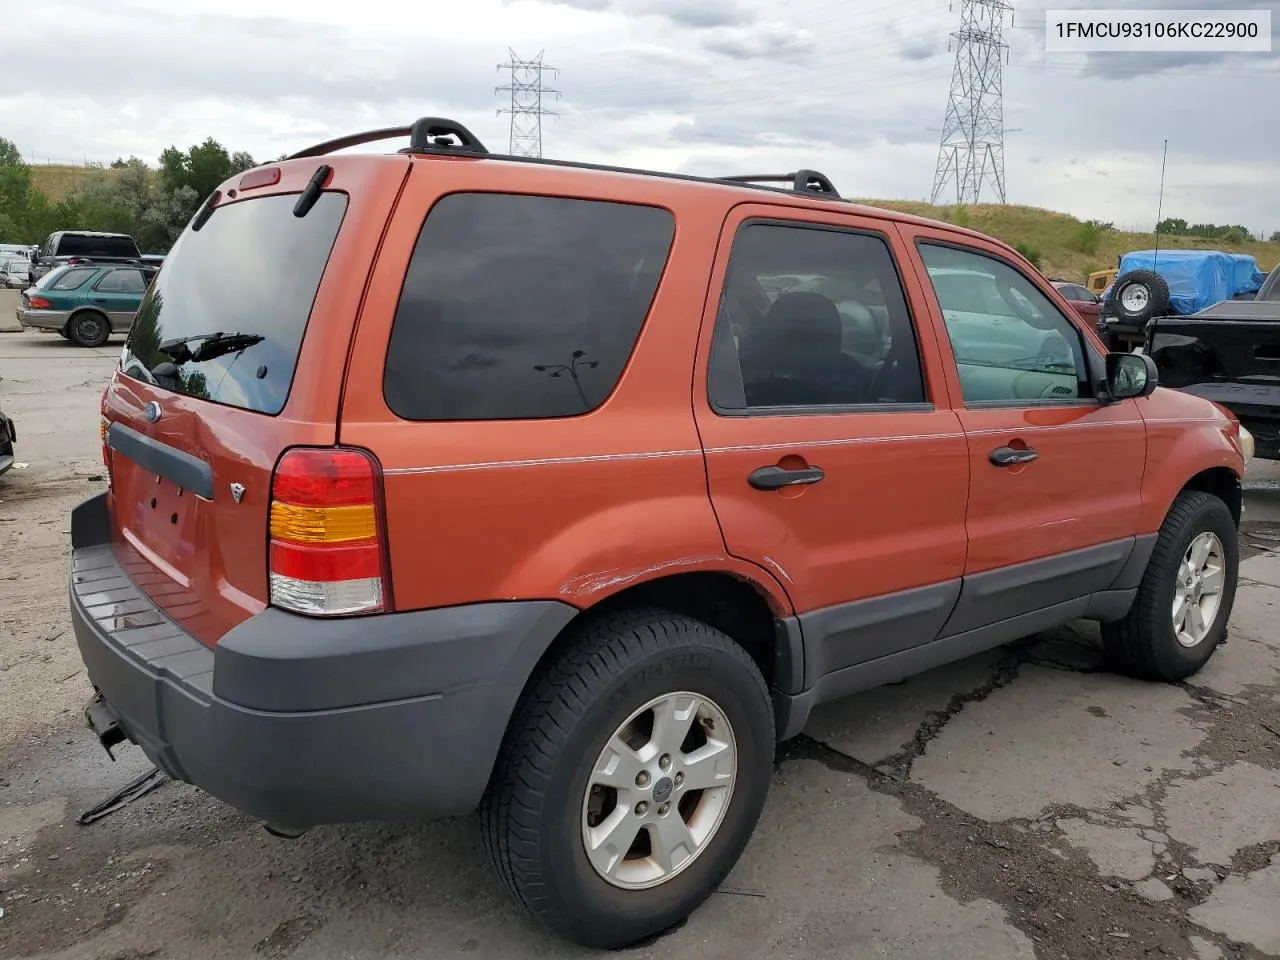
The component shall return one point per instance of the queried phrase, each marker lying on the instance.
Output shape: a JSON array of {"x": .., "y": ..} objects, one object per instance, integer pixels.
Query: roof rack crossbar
[
  {"x": 427, "y": 135},
  {"x": 802, "y": 181}
]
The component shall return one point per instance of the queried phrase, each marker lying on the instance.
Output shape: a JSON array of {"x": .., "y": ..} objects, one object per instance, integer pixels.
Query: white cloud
[{"x": 854, "y": 88}]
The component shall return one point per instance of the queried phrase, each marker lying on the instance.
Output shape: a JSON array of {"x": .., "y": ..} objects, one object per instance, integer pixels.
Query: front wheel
[
  {"x": 634, "y": 774},
  {"x": 1185, "y": 598}
]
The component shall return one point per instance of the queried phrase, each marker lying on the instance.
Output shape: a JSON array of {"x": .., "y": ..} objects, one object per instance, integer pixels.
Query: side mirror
[{"x": 1131, "y": 376}]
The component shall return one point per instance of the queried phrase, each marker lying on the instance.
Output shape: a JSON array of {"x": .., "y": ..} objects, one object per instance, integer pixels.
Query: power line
[
  {"x": 526, "y": 110},
  {"x": 972, "y": 149}
]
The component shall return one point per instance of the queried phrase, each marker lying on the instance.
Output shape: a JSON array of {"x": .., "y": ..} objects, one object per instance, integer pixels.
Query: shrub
[
  {"x": 1030, "y": 251},
  {"x": 1085, "y": 238}
]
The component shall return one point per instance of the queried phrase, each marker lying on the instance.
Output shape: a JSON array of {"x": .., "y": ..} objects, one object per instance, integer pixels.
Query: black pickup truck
[
  {"x": 73, "y": 246},
  {"x": 1228, "y": 353}
]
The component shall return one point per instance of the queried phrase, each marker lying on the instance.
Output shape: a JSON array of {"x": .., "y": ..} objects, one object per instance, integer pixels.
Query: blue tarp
[{"x": 1198, "y": 278}]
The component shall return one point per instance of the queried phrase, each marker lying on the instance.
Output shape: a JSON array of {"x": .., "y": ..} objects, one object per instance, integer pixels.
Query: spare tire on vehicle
[{"x": 1139, "y": 295}]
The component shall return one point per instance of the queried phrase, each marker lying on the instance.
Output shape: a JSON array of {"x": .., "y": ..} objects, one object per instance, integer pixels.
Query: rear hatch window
[
  {"x": 225, "y": 318},
  {"x": 80, "y": 245}
]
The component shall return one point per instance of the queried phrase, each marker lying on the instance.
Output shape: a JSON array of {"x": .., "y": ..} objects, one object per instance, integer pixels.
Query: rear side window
[
  {"x": 72, "y": 279},
  {"x": 82, "y": 245},
  {"x": 225, "y": 318},
  {"x": 521, "y": 307},
  {"x": 121, "y": 281}
]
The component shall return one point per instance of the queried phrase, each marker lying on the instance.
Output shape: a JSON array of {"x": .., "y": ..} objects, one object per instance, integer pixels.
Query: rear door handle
[
  {"x": 1011, "y": 457},
  {"x": 775, "y": 478}
]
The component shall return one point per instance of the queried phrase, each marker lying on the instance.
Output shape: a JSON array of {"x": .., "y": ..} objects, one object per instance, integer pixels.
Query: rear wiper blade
[{"x": 211, "y": 345}]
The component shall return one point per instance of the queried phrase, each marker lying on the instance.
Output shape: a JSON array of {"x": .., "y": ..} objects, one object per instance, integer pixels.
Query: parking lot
[{"x": 1021, "y": 804}]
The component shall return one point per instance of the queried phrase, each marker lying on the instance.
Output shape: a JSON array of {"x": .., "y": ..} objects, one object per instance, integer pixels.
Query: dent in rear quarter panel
[
  {"x": 573, "y": 509},
  {"x": 1185, "y": 436}
]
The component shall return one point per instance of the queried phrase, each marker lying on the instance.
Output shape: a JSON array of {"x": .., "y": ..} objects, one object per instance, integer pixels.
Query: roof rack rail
[
  {"x": 427, "y": 135},
  {"x": 802, "y": 181}
]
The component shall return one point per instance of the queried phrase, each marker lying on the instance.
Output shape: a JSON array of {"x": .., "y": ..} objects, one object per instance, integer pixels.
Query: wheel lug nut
[
  {"x": 642, "y": 808},
  {"x": 664, "y": 809},
  {"x": 642, "y": 779},
  {"x": 679, "y": 779},
  {"x": 665, "y": 761}
]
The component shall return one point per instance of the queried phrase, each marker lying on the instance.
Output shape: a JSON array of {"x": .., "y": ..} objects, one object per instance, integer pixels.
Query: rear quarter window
[
  {"x": 522, "y": 307},
  {"x": 72, "y": 279}
]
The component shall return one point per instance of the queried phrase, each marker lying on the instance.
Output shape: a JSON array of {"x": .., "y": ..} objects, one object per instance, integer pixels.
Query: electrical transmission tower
[
  {"x": 972, "y": 149},
  {"x": 526, "y": 108}
]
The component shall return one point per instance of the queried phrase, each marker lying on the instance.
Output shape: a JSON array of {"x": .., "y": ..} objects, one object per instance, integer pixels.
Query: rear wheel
[
  {"x": 632, "y": 779},
  {"x": 1185, "y": 598},
  {"x": 88, "y": 329}
]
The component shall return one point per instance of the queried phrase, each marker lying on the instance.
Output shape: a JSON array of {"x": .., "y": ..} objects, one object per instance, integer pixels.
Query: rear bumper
[
  {"x": 43, "y": 319},
  {"x": 299, "y": 721}
]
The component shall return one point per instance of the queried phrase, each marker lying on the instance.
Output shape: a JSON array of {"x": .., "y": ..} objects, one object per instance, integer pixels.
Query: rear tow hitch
[{"x": 104, "y": 723}]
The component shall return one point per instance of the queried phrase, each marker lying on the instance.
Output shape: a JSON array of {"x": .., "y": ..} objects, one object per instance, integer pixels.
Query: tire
[
  {"x": 1145, "y": 644},
  {"x": 88, "y": 329},
  {"x": 1149, "y": 293},
  {"x": 535, "y": 815}
]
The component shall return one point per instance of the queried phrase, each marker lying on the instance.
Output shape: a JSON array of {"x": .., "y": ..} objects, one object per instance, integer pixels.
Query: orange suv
[{"x": 443, "y": 482}]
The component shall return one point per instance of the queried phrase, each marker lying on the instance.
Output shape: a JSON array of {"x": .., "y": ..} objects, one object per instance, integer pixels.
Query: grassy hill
[
  {"x": 58, "y": 181},
  {"x": 1055, "y": 235}
]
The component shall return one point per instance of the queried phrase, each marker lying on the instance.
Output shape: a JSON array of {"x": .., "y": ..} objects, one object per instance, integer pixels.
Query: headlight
[{"x": 1246, "y": 444}]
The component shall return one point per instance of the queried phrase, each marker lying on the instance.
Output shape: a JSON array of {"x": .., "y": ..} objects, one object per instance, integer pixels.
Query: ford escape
[{"x": 562, "y": 493}]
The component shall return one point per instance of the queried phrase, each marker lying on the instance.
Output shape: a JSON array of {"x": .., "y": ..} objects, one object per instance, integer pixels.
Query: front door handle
[
  {"x": 775, "y": 478},
  {"x": 1011, "y": 456}
]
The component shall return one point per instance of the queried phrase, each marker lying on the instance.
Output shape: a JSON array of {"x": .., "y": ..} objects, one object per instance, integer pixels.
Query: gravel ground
[{"x": 1021, "y": 804}]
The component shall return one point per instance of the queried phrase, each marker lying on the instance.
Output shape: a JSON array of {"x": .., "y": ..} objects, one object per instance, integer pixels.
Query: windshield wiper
[{"x": 211, "y": 345}]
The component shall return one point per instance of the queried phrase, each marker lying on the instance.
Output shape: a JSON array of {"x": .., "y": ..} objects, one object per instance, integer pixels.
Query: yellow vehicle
[{"x": 1099, "y": 280}]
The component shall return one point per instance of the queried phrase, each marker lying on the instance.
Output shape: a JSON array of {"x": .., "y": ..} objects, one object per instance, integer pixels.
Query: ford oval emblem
[{"x": 151, "y": 411}]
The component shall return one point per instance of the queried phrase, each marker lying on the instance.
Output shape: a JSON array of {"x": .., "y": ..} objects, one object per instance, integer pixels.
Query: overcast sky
[{"x": 854, "y": 88}]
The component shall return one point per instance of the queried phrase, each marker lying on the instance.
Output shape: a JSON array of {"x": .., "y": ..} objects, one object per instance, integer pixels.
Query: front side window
[
  {"x": 1011, "y": 344},
  {"x": 812, "y": 318},
  {"x": 522, "y": 307}
]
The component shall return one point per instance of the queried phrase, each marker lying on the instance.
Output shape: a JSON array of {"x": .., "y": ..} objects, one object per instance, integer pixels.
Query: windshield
[{"x": 244, "y": 284}]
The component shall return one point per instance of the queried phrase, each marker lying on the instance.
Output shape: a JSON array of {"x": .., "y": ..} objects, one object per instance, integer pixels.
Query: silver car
[{"x": 15, "y": 273}]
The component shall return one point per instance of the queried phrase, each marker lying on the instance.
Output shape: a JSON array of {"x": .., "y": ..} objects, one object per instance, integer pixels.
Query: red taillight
[
  {"x": 327, "y": 555},
  {"x": 39, "y": 303},
  {"x": 106, "y": 447}
]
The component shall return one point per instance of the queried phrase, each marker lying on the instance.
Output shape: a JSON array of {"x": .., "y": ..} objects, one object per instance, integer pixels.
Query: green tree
[
  {"x": 1275, "y": 237},
  {"x": 21, "y": 205},
  {"x": 1172, "y": 227},
  {"x": 202, "y": 167}
]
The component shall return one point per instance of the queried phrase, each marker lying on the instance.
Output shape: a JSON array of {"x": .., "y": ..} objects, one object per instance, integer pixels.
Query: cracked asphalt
[{"x": 1021, "y": 804}]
